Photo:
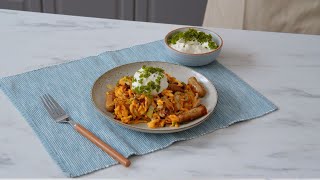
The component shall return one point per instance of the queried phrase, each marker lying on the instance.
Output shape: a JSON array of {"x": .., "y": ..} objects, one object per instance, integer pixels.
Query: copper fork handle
[{"x": 105, "y": 147}]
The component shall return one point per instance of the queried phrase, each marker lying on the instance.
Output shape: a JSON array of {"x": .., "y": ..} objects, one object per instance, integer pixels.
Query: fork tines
[{"x": 53, "y": 108}]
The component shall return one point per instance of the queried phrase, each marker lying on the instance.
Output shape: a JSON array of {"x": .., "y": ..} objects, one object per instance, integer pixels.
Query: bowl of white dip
[{"x": 192, "y": 46}]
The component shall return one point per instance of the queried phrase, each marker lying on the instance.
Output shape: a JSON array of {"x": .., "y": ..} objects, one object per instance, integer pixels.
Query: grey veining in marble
[{"x": 283, "y": 67}]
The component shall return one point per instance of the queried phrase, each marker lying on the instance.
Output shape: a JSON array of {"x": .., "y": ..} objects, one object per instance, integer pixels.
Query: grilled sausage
[
  {"x": 109, "y": 101},
  {"x": 175, "y": 88},
  {"x": 193, "y": 114},
  {"x": 196, "y": 86}
]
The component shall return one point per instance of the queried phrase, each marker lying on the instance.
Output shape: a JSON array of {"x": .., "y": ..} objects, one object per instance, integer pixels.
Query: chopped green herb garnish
[
  {"x": 175, "y": 37},
  {"x": 192, "y": 35},
  {"x": 151, "y": 69},
  {"x": 151, "y": 85},
  {"x": 212, "y": 45}
]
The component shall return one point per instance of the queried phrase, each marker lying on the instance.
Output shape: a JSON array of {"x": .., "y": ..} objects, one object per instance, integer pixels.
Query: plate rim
[{"x": 155, "y": 130}]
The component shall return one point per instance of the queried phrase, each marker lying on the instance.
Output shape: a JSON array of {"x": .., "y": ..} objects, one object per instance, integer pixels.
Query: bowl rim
[{"x": 198, "y": 54}]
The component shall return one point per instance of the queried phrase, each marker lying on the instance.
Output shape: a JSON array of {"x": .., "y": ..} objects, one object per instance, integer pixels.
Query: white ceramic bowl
[{"x": 194, "y": 59}]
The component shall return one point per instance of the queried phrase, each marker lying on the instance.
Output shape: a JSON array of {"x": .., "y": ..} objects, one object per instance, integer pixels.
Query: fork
[{"x": 60, "y": 116}]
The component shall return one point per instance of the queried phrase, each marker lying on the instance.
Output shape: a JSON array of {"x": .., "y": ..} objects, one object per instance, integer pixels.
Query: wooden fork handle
[{"x": 105, "y": 147}]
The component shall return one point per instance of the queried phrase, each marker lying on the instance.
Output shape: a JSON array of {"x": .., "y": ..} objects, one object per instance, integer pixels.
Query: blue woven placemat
[{"x": 70, "y": 84}]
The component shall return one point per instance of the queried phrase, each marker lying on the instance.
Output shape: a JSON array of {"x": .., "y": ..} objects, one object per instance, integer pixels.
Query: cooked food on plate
[{"x": 154, "y": 97}]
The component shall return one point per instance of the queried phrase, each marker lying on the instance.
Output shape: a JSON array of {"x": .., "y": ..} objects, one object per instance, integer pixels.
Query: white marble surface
[{"x": 283, "y": 67}]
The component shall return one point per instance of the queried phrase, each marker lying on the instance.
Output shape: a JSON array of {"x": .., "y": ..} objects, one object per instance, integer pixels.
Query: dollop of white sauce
[
  {"x": 152, "y": 77},
  {"x": 191, "y": 47}
]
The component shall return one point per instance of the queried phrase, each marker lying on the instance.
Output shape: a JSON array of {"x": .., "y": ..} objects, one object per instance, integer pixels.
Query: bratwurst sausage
[
  {"x": 196, "y": 86},
  {"x": 110, "y": 96},
  {"x": 192, "y": 114}
]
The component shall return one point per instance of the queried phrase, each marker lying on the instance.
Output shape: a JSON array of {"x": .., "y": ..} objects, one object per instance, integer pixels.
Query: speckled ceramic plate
[{"x": 182, "y": 73}]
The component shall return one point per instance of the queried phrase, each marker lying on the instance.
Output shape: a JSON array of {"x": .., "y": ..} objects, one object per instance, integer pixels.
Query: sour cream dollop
[
  {"x": 191, "y": 47},
  {"x": 149, "y": 80}
]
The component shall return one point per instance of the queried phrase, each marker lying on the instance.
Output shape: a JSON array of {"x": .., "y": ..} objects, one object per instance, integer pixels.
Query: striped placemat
[{"x": 70, "y": 84}]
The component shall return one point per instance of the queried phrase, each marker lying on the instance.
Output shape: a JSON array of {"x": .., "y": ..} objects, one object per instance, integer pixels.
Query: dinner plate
[{"x": 182, "y": 73}]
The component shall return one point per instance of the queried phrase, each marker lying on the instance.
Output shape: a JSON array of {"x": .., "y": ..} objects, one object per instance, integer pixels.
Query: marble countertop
[{"x": 283, "y": 67}]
